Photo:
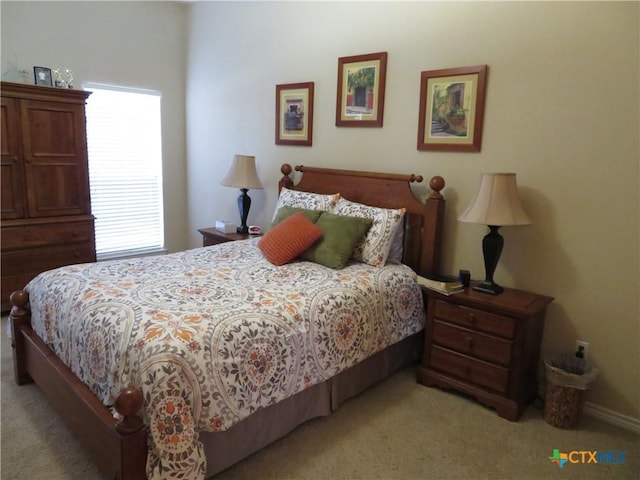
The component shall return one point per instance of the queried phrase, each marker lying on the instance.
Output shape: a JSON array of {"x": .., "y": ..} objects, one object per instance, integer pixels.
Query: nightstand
[
  {"x": 485, "y": 346},
  {"x": 211, "y": 236}
]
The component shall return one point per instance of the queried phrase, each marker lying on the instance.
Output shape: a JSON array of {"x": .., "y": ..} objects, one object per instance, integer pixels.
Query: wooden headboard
[{"x": 423, "y": 221}]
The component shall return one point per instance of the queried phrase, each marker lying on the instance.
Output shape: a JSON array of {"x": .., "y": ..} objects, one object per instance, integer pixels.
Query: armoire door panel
[
  {"x": 9, "y": 127},
  {"x": 11, "y": 174},
  {"x": 11, "y": 190},
  {"x": 57, "y": 193},
  {"x": 49, "y": 130},
  {"x": 55, "y": 158}
]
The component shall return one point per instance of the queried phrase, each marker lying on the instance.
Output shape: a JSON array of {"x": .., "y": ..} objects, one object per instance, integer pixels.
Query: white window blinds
[{"x": 125, "y": 170}]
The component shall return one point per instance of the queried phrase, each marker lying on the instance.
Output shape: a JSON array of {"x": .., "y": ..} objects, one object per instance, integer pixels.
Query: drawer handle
[
  {"x": 472, "y": 318},
  {"x": 468, "y": 341},
  {"x": 467, "y": 370}
]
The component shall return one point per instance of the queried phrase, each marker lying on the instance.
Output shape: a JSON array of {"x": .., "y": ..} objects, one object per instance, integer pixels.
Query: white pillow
[
  {"x": 374, "y": 249},
  {"x": 308, "y": 200}
]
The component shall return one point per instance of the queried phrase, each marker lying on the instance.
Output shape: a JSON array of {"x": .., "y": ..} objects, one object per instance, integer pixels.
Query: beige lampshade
[
  {"x": 497, "y": 202},
  {"x": 242, "y": 173}
]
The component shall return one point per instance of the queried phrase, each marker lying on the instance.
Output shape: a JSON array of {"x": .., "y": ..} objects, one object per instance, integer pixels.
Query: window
[{"x": 124, "y": 143}]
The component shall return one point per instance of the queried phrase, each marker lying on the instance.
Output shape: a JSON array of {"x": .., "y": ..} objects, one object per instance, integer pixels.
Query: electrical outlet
[{"x": 580, "y": 344}]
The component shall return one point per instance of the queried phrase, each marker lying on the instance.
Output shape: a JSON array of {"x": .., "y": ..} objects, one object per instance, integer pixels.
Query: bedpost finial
[
  {"x": 415, "y": 178},
  {"x": 128, "y": 404},
  {"x": 285, "y": 181},
  {"x": 286, "y": 169},
  {"x": 19, "y": 298},
  {"x": 436, "y": 183}
]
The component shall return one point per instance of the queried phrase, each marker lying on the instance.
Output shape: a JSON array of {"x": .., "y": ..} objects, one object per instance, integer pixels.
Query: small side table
[
  {"x": 211, "y": 236},
  {"x": 485, "y": 346}
]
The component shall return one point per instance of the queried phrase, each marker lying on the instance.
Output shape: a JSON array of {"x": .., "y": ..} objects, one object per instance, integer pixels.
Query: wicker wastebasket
[{"x": 568, "y": 380}]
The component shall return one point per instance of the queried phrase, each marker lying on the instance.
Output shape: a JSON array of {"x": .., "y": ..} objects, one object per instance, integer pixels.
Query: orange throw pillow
[{"x": 289, "y": 238}]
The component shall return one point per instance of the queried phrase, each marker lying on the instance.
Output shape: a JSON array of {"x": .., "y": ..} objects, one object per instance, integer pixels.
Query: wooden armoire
[{"x": 46, "y": 211}]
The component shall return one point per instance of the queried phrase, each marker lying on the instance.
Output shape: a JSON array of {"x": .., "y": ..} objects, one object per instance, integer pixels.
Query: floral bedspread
[{"x": 211, "y": 335}]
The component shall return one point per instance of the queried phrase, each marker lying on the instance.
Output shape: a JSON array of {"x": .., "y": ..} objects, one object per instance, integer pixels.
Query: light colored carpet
[{"x": 395, "y": 430}]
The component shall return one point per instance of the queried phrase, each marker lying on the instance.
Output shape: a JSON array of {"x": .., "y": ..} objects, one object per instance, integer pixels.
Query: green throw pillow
[
  {"x": 286, "y": 211},
  {"x": 340, "y": 236}
]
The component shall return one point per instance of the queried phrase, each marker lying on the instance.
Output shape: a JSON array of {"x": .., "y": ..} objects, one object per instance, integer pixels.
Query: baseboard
[{"x": 614, "y": 418}]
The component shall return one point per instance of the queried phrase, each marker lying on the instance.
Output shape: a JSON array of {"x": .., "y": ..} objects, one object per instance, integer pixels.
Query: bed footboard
[{"x": 119, "y": 447}]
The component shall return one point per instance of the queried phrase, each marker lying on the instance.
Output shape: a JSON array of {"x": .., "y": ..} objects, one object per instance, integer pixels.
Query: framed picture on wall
[
  {"x": 42, "y": 76},
  {"x": 294, "y": 114},
  {"x": 361, "y": 84},
  {"x": 452, "y": 109}
]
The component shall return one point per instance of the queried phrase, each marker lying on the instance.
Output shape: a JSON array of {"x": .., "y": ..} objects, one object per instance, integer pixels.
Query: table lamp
[
  {"x": 243, "y": 175},
  {"x": 497, "y": 204}
]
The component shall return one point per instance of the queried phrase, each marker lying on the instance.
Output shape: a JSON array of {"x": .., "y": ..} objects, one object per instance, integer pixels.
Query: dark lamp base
[
  {"x": 244, "y": 204},
  {"x": 490, "y": 288}
]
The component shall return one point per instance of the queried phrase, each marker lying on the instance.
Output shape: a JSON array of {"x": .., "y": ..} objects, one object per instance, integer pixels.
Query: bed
[{"x": 167, "y": 421}]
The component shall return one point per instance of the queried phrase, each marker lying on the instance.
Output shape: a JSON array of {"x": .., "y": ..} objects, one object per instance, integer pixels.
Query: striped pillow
[{"x": 289, "y": 238}]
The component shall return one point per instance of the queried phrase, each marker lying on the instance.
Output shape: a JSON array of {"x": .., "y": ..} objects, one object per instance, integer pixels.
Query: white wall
[
  {"x": 133, "y": 44},
  {"x": 561, "y": 111}
]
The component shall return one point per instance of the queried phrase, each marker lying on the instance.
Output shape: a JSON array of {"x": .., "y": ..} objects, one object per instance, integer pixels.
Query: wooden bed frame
[{"x": 119, "y": 447}]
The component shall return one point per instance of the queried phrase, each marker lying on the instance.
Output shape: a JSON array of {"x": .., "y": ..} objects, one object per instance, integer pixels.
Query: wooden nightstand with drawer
[
  {"x": 211, "y": 236},
  {"x": 485, "y": 346}
]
